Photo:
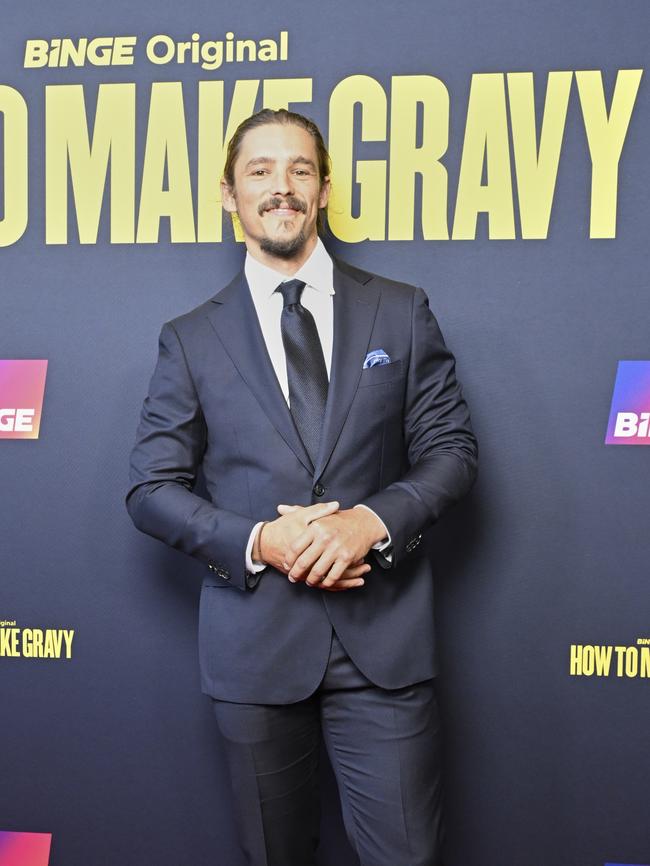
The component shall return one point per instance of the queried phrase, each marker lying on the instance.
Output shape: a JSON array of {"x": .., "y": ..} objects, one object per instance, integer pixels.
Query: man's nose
[{"x": 282, "y": 183}]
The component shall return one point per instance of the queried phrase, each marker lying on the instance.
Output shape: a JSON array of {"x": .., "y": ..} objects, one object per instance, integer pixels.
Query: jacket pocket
[{"x": 381, "y": 373}]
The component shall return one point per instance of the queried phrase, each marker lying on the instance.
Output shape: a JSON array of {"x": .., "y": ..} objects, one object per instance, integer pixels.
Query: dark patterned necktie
[{"x": 306, "y": 368}]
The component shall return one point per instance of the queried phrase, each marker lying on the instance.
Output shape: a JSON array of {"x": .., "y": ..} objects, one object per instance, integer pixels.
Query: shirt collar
[{"x": 317, "y": 272}]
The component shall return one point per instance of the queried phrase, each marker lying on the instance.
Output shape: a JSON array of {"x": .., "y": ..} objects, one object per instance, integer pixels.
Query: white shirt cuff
[
  {"x": 251, "y": 566},
  {"x": 387, "y": 542}
]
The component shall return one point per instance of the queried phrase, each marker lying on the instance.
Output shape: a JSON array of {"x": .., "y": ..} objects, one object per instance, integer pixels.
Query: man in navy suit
[{"x": 321, "y": 404}]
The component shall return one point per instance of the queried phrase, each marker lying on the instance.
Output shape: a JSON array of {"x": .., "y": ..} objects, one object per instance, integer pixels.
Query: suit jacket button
[{"x": 318, "y": 489}]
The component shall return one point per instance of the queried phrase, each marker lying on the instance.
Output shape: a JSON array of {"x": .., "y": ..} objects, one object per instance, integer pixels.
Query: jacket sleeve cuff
[{"x": 391, "y": 506}]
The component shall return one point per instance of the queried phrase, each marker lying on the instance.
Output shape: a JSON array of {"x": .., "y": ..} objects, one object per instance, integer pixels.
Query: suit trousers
[{"x": 384, "y": 747}]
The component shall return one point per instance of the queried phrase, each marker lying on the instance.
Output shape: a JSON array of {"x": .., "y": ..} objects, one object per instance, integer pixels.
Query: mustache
[{"x": 278, "y": 202}]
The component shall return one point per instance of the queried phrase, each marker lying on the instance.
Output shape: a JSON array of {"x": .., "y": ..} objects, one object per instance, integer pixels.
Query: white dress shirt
[{"x": 318, "y": 275}]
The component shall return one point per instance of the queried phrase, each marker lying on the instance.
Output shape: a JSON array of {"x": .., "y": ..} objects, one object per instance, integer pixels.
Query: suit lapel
[
  {"x": 355, "y": 308},
  {"x": 234, "y": 318},
  {"x": 235, "y": 321}
]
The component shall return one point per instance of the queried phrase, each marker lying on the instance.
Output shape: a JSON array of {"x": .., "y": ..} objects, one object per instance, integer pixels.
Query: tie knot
[{"x": 291, "y": 291}]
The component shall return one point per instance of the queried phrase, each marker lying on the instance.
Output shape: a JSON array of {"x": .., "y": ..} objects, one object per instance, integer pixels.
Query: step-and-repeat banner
[{"x": 494, "y": 153}]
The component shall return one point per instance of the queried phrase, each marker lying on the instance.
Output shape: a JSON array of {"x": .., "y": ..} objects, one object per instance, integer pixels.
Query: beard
[{"x": 284, "y": 248}]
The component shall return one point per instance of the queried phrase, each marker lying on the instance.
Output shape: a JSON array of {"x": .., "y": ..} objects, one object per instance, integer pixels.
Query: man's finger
[
  {"x": 300, "y": 543},
  {"x": 356, "y": 570},
  {"x": 312, "y": 512},
  {"x": 320, "y": 509},
  {"x": 341, "y": 585},
  {"x": 297, "y": 545},
  {"x": 305, "y": 561},
  {"x": 287, "y": 509},
  {"x": 334, "y": 574},
  {"x": 322, "y": 568},
  {"x": 305, "y": 549}
]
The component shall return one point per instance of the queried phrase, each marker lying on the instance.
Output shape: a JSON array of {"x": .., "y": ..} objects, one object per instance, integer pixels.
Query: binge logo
[
  {"x": 24, "y": 849},
  {"x": 22, "y": 385},
  {"x": 629, "y": 418}
]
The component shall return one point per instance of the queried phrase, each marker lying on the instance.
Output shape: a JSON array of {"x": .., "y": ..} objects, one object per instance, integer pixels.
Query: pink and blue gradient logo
[
  {"x": 629, "y": 417},
  {"x": 22, "y": 385},
  {"x": 24, "y": 849}
]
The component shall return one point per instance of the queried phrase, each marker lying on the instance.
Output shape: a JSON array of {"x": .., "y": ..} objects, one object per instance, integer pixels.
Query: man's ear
[
  {"x": 324, "y": 194},
  {"x": 228, "y": 201}
]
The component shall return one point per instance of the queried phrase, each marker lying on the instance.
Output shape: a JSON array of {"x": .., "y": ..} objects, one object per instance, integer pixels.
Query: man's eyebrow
[
  {"x": 304, "y": 160},
  {"x": 295, "y": 160}
]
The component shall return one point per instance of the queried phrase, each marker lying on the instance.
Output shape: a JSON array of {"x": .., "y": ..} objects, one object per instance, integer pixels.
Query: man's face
[{"x": 277, "y": 191}]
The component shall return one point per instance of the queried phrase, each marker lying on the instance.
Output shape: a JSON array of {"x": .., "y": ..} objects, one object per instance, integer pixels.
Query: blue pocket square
[{"x": 376, "y": 358}]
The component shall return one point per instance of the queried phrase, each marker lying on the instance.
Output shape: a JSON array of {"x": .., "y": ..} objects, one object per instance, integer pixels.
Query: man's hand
[
  {"x": 276, "y": 542},
  {"x": 331, "y": 545}
]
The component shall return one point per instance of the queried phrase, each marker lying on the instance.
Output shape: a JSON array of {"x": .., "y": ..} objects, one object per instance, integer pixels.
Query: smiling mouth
[{"x": 282, "y": 207}]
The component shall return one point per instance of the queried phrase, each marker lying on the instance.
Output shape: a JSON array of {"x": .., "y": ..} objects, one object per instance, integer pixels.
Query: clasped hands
[{"x": 320, "y": 545}]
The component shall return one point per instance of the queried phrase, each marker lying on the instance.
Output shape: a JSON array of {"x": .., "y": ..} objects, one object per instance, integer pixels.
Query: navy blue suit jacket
[{"x": 396, "y": 437}]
